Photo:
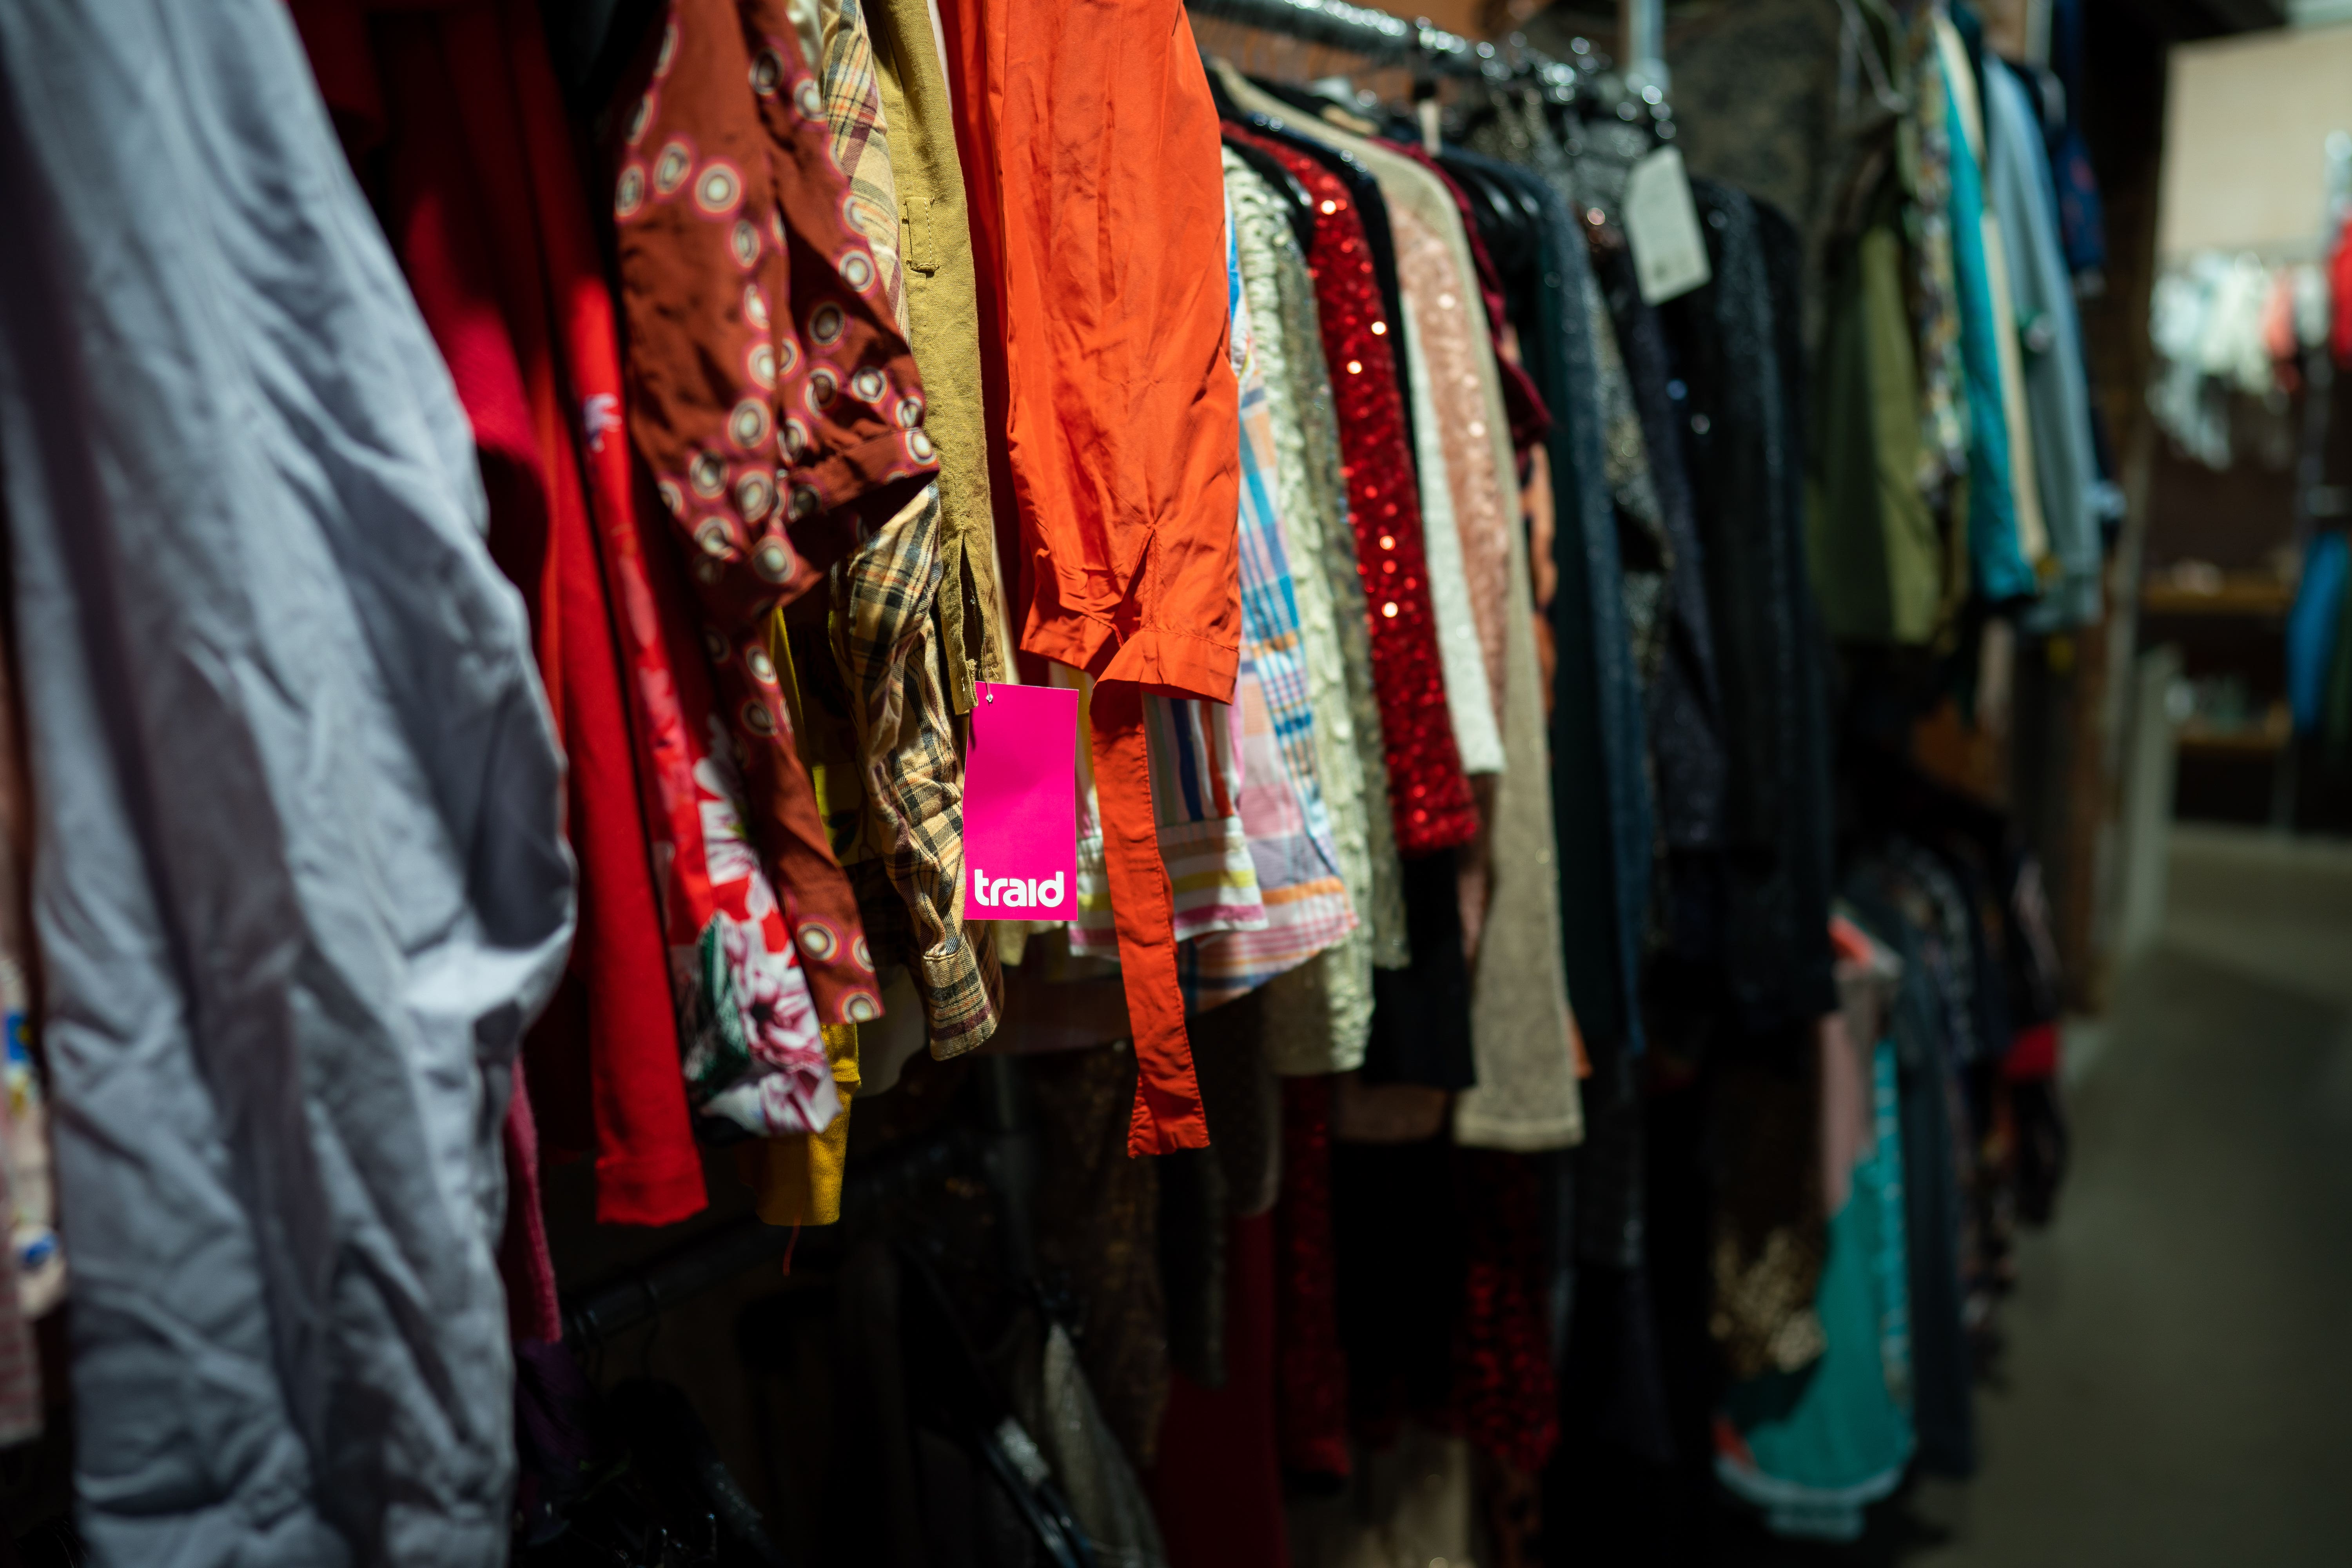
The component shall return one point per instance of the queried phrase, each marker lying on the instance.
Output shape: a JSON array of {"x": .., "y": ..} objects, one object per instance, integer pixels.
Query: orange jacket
[{"x": 1090, "y": 145}]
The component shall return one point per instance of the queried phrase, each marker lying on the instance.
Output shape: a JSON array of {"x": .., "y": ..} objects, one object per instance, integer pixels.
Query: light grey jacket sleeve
[
  {"x": 298, "y": 877},
  {"x": 2057, "y": 383}
]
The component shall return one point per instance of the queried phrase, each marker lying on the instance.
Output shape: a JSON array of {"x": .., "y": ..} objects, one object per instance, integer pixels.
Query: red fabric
[
  {"x": 2340, "y": 291},
  {"x": 1121, "y": 416},
  {"x": 1505, "y": 1400},
  {"x": 1427, "y": 789},
  {"x": 1311, "y": 1403},
  {"x": 758, "y": 331},
  {"x": 1522, "y": 403},
  {"x": 666, "y": 677},
  {"x": 1218, "y": 1487},
  {"x": 524, "y": 1263},
  {"x": 712, "y": 890},
  {"x": 1848, "y": 942},
  {"x": 1166, "y": 1112},
  {"x": 467, "y": 222},
  {"x": 1096, "y": 194},
  {"x": 335, "y": 35},
  {"x": 2032, "y": 1056}
]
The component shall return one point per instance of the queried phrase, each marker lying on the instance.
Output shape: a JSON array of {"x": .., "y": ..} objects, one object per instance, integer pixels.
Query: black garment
[
  {"x": 1990, "y": 883},
  {"x": 1509, "y": 224},
  {"x": 1686, "y": 749},
  {"x": 1943, "y": 1411},
  {"x": 917, "y": 1496},
  {"x": 1192, "y": 1221},
  {"x": 1619, "y": 1488},
  {"x": 1747, "y": 469},
  {"x": 1600, "y": 800},
  {"x": 1398, "y": 1263},
  {"x": 1420, "y": 1014}
]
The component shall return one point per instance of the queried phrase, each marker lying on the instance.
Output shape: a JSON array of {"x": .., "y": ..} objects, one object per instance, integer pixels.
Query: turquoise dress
[
  {"x": 2000, "y": 568},
  {"x": 1812, "y": 1448}
]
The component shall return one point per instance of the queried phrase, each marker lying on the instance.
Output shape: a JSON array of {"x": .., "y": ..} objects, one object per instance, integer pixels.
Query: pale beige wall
[{"x": 2246, "y": 123}]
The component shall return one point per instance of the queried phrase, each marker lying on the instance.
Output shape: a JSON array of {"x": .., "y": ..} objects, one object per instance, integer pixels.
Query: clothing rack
[
  {"x": 1375, "y": 35},
  {"x": 1642, "y": 38},
  {"x": 1386, "y": 39}
]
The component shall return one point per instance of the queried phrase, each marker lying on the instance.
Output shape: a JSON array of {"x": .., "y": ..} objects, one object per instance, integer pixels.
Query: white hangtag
[{"x": 1661, "y": 226}]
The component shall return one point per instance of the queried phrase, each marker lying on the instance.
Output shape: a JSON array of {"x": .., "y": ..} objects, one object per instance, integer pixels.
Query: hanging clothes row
[{"x": 602, "y": 500}]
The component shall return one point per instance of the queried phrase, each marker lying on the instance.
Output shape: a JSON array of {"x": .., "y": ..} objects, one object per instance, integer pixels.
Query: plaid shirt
[
  {"x": 861, "y": 142},
  {"x": 885, "y": 638}
]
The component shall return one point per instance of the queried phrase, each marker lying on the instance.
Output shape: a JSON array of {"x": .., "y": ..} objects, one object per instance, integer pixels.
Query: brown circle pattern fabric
[{"x": 771, "y": 394}]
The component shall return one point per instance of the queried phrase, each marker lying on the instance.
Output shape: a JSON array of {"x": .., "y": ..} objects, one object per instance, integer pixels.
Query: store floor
[{"x": 2176, "y": 1387}]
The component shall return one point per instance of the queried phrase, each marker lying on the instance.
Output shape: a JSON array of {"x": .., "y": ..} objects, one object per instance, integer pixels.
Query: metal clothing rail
[
  {"x": 1359, "y": 29},
  {"x": 1375, "y": 35},
  {"x": 1392, "y": 40}
]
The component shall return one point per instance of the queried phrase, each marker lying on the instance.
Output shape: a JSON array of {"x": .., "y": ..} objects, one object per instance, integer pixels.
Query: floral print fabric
[
  {"x": 769, "y": 394},
  {"x": 748, "y": 1027}
]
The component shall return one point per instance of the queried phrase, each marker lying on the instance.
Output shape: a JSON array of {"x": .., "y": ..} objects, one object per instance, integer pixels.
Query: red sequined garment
[
  {"x": 1426, "y": 785},
  {"x": 1503, "y": 1397},
  {"x": 1311, "y": 1384}
]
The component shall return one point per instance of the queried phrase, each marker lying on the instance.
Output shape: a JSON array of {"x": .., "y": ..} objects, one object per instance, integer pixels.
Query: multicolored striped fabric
[
  {"x": 1196, "y": 753},
  {"x": 1289, "y": 830},
  {"x": 1244, "y": 832},
  {"x": 1195, "y": 748},
  {"x": 1317, "y": 1017},
  {"x": 1197, "y": 779}
]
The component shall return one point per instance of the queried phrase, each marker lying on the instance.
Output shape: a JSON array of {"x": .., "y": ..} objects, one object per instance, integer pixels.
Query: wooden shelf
[
  {"x": 2256, "y": 593},
  {"x": 2268, "y": 738}
]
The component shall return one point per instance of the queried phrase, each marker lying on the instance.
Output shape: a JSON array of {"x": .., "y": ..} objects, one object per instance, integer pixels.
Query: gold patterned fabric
[
  {"x": 1771, "y": 1233},
  {"x": 1457, "y": 345},
  {"x": 934, "y": 249}
]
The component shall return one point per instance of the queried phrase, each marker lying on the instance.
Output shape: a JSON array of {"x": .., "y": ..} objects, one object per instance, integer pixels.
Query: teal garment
[
  {"x": 1812, "y": 1448},
  {"x": 2311, "y": 630},
  {"x": 2050, "y": 341},
  {"x": 2335, "y": 696},
  {"x": 1998, "y": 563}
]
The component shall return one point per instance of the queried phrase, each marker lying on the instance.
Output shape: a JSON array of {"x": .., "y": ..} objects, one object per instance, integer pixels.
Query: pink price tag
[{"x": 1021, "y": 804}]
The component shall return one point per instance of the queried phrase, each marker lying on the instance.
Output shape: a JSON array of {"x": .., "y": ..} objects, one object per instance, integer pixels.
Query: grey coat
[{"x": 298, "y": 880}]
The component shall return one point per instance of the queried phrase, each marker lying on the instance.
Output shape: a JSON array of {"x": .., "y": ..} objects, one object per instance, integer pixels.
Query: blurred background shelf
[{"x": 2255, "y": 593}]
